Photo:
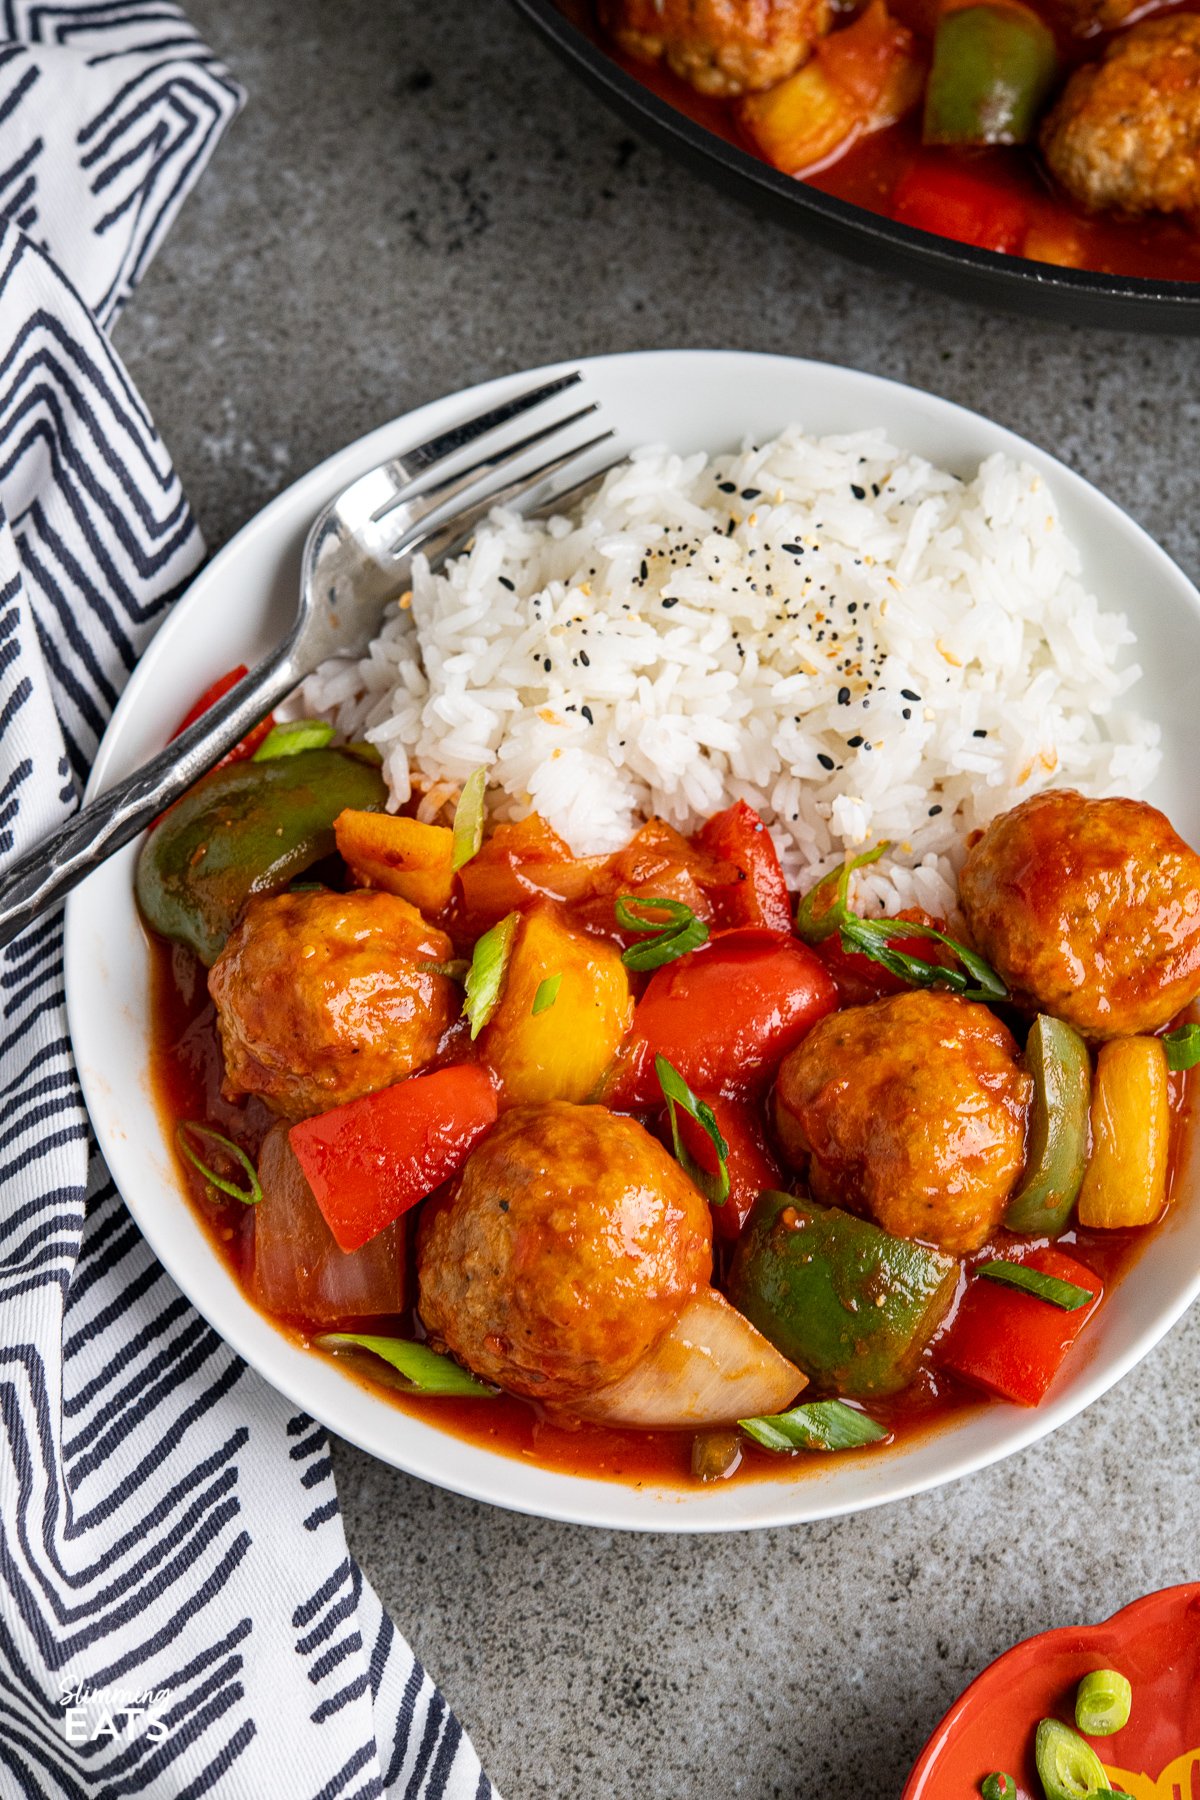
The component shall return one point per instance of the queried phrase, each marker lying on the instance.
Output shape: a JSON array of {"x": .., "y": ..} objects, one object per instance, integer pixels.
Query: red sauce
[
  {"x": 187, "y": 1069},
  {"x": 867, "y": 174}
]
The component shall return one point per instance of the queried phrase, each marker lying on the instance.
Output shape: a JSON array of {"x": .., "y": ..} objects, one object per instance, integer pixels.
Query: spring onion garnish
[
  {"x": 1182, "y": 1047},
  {"x": 547, "y": 994},
  {"x": 825, "y": 909},
  {"x": 422, "y": 1368},
  {"x": 1103, "y": 1703},
  {"x": 468, "y": 819},
  {"x": 674, "y": 933},
  {"x": 486, "y": 974},
  {"x": 299, "y": 734},
  {"x": 676, "y": 1092},
  {"x": 249, "y": 1196},
  {"x": 998, "y": 1786},
  {"x": 820, "y": 1425},
  {"x": 1046, "y": 1287},
  {"x": 1068, "y": 1768}
]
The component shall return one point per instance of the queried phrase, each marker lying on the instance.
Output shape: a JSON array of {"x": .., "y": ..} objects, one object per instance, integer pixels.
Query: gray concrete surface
[{"x": 415, "y": 198}]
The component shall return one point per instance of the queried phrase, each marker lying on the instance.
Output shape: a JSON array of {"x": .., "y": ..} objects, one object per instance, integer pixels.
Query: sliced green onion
[
  {"x": 825, "y": 907},
  {"x": 1103, "y": 1703},
  {"x": 674, "y": 934},
  {"x": 248, "y": 1196},
  {"x": 422, "y": 1368},
  {"x": 299, "y": 734},
  {"x": 1068, "y": 1768},
  {"x": 976, "y": 980},
  {"x": 547, "y": 994},
  {"x": 457, "y": 969},
  {"x": 486, "y": 974},
  {"x": 468, "y": 819},
  {"x": 820, "y": 1425},
  {"x": 1182, "y": 1047},
  {"x": 676, "y": 1092},
  {"x": 998, "y": 1786},
  {"x": 1046, "y": 1287}
]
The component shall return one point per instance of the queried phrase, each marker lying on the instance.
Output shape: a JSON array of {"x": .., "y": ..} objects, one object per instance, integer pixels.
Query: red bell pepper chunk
[
  {"x": 372, "y": 1159},
  {"x": 209, "y": 697},
  {"x": 953, "y": 201},
  {"x": 724, "y": 1015},
  {"x": 1013, "y": 1343},
  {"x": 749, "y": 1165},
  {"x": 739, "y": 836}
]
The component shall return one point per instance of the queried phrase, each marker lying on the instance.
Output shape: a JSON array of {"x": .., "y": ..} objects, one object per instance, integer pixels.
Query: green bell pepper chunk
[
  {"x": 246, "y": 828},
  {"x": 1058, "y": 1060},
  {"x": 849, "y": 1304},
  {"x": 993, "y": 68}
]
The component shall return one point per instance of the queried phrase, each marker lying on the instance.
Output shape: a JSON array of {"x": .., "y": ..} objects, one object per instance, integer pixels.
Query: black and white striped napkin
[{"x": 179, "y": 1614}]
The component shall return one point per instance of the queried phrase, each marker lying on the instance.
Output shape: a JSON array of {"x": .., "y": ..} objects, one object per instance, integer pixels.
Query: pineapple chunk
[
  {"x": 1125, "y": 1182},
  {"x": 399, "y": 855}
]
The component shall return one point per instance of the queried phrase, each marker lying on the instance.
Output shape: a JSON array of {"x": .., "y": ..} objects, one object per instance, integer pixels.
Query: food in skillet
[
  {"x": 1054, "y": 129},
  {"x": 674, "y": 1133}
]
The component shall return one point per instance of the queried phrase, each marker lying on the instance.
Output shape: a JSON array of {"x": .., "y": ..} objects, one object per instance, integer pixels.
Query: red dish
[{"x": 1154, "y": 1643}]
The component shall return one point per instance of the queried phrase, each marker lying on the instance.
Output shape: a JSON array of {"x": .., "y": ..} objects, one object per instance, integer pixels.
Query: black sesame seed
[
  {"x": 644, "y": 570},
  {"x": 727, "y": 487},
  {"x": 793, "y": 549},
  {"x": 859, "y": 493},
  {"x": 585, "y": 659},
  {"x": 585, "y": 712},
  {"x": 906, "y": 712},
  {"x": 843, "y": 696},
  {"x": 934, "y": 811},
  {"x": 826, "y": 762},
  {"x": 506, "y": 583},
  {"x": 979, "y": 733},
  {"x": 668, "y": 603},
  {"x": 907, "y": 694},
  {"x": 854, "y": 742},
  {"x": 751, "y": 493}
]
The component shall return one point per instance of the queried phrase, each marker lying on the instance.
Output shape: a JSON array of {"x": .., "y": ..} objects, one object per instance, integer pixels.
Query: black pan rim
[{"x": 1125, "y": 298}]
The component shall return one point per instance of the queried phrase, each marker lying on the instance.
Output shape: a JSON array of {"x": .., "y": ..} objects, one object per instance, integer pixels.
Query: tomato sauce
[
  {"x": 870, "y": 171},
  {"x": 187, "y": 1072}
]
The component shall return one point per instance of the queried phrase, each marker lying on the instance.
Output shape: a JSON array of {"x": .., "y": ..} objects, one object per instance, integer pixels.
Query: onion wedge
[{"x": 712, "y": 1368}]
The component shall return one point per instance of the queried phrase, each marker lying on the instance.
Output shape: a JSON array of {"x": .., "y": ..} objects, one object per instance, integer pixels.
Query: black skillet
[{"x": 1010, "y": 283}]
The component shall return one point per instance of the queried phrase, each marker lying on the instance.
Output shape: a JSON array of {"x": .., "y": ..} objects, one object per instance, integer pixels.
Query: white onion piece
[{"x": 712, "y": 1368}]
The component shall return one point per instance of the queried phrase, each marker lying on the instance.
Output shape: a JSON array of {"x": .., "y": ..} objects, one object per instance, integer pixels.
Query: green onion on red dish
[
  {"x": 296, "y": 735},
  {"x": 250, "y": 1195},
  {"x": 817, "y": 1425},
  {"x": 547, "y": 994},
  {"x": 1044, "y": 1287},
  {"x": 671, "y": 936},
  {"x": 676, "y": 1092},
  {"x": 468, "y": 820},
  {"x": 425, "y": 1371},
  {"x": 485, "y": 977},
  {"x": 1182, "y": 1047}
]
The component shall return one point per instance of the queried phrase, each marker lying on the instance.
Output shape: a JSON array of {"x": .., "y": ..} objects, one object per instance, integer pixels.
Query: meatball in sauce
[
  {"x": 911, "y": 1110},
  {"x": 719, "y": 46},
  {"x": 1089, "y": 909},
  {"x": 323, "y": 997},
  {"x": 569, "y": 1245}
]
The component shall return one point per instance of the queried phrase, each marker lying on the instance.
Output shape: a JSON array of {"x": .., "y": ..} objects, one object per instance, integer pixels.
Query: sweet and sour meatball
[
  {"x": 570, "y": 1243},
  {"x": 720, "y": 46},
  {"x": 322, "y": 997},
  {"x": 911, "y": 1110},
  {"x": 1125, "y": 133},
  {"x": 1089, "y": 909}
]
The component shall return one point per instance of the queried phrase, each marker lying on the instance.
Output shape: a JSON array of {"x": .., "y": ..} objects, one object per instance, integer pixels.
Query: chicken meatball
[
  {"x": 720, "y": 46},
  {"x": 911, "y": 1110},
  {"x": 569, "y": 1245},
  {"x": 1089, "y": 909},
  {"x": 322, "y": 997},
  {"x": 1125, "y": 133}
]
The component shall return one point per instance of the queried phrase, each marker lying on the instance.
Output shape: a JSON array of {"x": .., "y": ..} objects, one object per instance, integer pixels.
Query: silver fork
[{"x": 356, "y": 559}]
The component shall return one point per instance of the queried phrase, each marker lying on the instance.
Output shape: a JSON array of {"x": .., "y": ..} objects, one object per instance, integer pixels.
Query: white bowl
[{"x": 241, "y": 605}]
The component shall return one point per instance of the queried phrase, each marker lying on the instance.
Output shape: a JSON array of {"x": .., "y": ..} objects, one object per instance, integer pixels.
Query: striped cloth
[{"x": 178, "y": 1611}]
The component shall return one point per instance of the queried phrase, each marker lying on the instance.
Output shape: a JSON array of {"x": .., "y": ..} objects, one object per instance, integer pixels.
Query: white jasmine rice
[{"x": 859, "y": 644}]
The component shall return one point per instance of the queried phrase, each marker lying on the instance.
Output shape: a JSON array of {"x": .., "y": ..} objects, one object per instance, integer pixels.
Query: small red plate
[{"x": 1155, "y": 1643}]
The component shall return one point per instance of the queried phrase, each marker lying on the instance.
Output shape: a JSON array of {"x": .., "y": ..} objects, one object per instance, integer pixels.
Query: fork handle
[{"x": 47, "y": 873}]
